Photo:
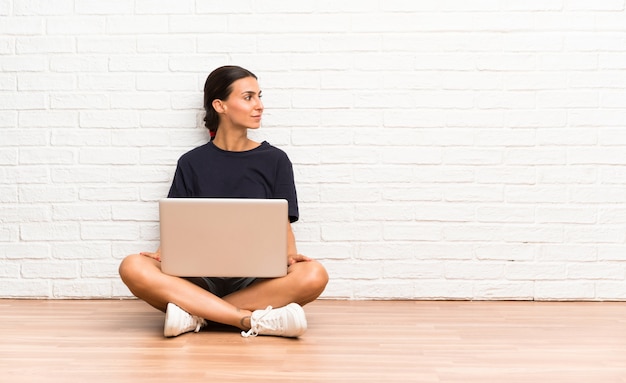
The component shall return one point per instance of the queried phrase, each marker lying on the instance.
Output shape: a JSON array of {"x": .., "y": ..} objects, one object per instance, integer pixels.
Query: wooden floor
[{"x": 347, "y": 341}]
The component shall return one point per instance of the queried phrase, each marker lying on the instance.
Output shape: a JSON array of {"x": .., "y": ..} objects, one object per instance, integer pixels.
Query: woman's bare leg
[
  {"x": 144, "y": 278},
  {"x": 304, "y": 282}
]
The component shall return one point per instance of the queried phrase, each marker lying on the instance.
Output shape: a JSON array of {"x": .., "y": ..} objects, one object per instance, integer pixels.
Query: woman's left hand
[{"x": 293, "y": 259}]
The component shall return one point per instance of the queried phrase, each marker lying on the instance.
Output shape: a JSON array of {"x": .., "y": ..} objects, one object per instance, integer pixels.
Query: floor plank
[{"x": 347, "y": 341}]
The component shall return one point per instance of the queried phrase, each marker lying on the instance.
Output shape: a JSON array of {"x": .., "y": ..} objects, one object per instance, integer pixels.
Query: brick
[
  {"x": 579, "y": 215},
  {"x": 601, "y": 5},
  {"x": 76, "y": 101},
  {"x": 195, "y": 63},
  {"x": 136, "y": 25},
  {"x": 19, "y": 288},
  {"x": 564, "y": 290},
  {"x": 412, "y": 231},
  {"x": 611, "y": 290},
  {"x": 49, "y": 231},
  {"x": 413, "y": 270},
  {"x": 56, "y": 156},
  {"x": 519, "y": 214},
  {"x": 379, "y": 174},
  {"x": 480, "y": 193},
  {"x": 24, "y": 250},
  {"x": 119, "y": 193},
  {"x": 599, "y": 194},
  {"x": 142, "y": 174},
  {"x": 354, "y": 232},
  {"x": 100, "y": 270},
  {"x": 82, "y": 250},
  {"x": 49, "y": 270},
  {"x": 47, "y": 44},
  {"x": 95, "y": 7},
  {"x": 385, "y": 251},
  {"x": 109, "y": 231},
  {"x": 81, "y": 212},
  {"x": 535, "y": 272},
  {"x": 443, "y": 251},
  {"x": 165, "y": 43},
  {"x": 75, "y": 25},
  {"x": 127, "y": 212},
  {"x": 383, "y": 289},
  {"x": 611, "y": 252},
  {"x": 567, "y": 252},
  {"x": 505, "y": 252},
  {"x": 16, "y": 214},
  {"x": 164, "y": 7},
  {"x": 108, "y": 44},
  {"x": 504, "y": 290},
  {"x": 9, "y": 270},
  {"x": 81, "y": 288},
  {"x": 591, "y": 234},
  {"x": 109, "y": 156},
  {"x": 22, "y": 101},
  {"x": 466, "y": 270},
  {"x": 24, "y": 25},
  {"x": 42, "y": 7},
  {"x": 8, "y": 119},
  {"x": 443, "y": 289},
  {"x": 383, "y": 212},
  {"x": 8, "y": 156},
  {"x": 598, "y": 272},
  {"x": 106, "y": 82},
  {"x": 198, "y": 24},
  {"x": 136, "y": 63},
  {"x": 109, "y": 119},
  {"x": 166, "y": 82},
  {"x": 50, "y": 194}
]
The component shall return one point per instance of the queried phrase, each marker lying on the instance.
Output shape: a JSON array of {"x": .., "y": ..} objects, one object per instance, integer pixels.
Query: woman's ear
[{"x": 218, "y": 105}]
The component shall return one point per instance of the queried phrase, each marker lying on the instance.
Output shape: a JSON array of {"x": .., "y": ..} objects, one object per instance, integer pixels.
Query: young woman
[{"x": 231, "y": 165}]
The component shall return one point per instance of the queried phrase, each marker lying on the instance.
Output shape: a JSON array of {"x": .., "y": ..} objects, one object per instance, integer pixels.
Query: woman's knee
[
  {"x": 316, "y": 277},
  {"x": 132, "y": 268}
]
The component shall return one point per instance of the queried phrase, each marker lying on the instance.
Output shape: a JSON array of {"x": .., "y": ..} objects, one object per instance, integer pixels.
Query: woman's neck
[{"x": 234, "y": 141}]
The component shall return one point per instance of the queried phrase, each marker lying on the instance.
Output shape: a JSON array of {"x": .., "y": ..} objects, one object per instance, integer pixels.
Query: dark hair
[{"x": 219, "y": 86}]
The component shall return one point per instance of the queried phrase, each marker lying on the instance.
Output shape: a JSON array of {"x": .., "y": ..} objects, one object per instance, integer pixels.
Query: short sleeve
[
  {"x": 285, "y": 187},
  {"x": 178, "y": 188}
]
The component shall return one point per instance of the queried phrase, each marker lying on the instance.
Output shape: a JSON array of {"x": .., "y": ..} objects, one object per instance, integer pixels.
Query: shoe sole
[
  {"x": 300, "y": 319},
  {"x": 167, "y": 328}
]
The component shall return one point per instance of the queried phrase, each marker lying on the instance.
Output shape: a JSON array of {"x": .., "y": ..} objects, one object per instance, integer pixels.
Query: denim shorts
[{"x": 221, "y": 287}]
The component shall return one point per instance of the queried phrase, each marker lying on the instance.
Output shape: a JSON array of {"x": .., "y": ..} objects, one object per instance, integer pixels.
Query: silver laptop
[{"x": 215, "y": 237}]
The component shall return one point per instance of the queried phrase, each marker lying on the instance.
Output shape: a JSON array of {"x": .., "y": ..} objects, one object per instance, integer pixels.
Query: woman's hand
[
  {"x": 156, "y": 255},
  {"x": 293, "y": 259}
]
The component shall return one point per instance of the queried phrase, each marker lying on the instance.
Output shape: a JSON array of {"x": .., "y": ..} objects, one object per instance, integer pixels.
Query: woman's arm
[
  {"x": 156, "y": 255},
  {"x": 292, "y": 251}
]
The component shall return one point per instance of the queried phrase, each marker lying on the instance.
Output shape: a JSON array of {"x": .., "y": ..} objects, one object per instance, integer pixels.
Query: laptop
[{"x": 223, "y": 237}]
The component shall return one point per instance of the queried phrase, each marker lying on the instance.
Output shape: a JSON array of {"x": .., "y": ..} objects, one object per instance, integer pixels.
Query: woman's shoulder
[
  {"x": 268, "y": 148},
  {"x": 196, "y": 153}
]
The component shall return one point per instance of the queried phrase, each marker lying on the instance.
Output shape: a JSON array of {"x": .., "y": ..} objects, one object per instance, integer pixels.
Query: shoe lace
[
  {"x": 254, "y": 330},
  {"x": 199, "y": 323}
]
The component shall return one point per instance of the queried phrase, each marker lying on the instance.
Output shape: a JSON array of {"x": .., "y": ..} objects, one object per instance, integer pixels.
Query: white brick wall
[{"x": 442, "y": 149}]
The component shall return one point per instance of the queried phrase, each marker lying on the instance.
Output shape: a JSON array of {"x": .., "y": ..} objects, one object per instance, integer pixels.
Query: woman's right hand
[{"x": 156, "y": 255}]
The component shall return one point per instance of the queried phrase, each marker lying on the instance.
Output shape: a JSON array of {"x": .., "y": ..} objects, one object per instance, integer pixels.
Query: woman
[{"x": 231, "y": 165}]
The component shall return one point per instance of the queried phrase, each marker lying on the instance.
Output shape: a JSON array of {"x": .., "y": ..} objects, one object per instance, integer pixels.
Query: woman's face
[{"x": 243, "y": 107}]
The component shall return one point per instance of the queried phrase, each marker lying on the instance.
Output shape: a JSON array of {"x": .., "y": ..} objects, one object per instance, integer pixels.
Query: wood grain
[{"x": 347, "y": 341}]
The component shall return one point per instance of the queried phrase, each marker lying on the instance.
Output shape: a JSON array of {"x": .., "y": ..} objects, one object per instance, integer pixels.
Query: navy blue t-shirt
[{"x": 210, "y": 172}]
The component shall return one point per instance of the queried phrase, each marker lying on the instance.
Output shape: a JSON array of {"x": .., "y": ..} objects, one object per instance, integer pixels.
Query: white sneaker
[
  {"x": 179, "y": 321},
  {"x": 288, "y": 321}
]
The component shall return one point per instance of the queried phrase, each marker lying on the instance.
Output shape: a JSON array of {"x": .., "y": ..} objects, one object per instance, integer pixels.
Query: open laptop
[{"x": 216, "y": 237}]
